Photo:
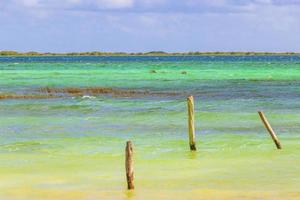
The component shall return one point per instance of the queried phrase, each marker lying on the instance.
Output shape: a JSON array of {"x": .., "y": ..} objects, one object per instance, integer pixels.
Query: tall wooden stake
[
  {"x": 270, "y": 130},
  {"x": 129, "y": 165},
  {"x": 191, "y": 123}
]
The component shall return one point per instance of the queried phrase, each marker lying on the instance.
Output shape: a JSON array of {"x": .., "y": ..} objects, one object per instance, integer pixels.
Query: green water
[{"x": 73, "y": 147}]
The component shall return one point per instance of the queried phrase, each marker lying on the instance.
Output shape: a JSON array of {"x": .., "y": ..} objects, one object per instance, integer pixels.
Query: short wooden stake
[
  {"x": 270, "y": 130},
  {"x": 129, "y": 165},
  {"x": 191, "y": 123}
]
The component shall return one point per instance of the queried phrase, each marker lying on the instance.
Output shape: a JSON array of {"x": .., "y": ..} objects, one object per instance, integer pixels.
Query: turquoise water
[{"x": 73, "y": 147}]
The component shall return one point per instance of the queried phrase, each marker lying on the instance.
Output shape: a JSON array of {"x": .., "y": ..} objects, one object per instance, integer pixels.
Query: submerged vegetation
[
  {"x": 151, "y": 53},
  {"x": 49, "y": 92},
  {"x": 16, "y": 96},
  {"x": 106, "y": 91}
]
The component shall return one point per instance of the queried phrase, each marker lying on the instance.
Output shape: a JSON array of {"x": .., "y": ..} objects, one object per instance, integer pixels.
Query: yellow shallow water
[
  {"x": 225, "y": 167},
  {"x": 149, "y": 194}
]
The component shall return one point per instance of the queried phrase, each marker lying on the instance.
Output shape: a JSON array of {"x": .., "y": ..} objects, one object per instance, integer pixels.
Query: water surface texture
[{"x": 72, "y": 147}]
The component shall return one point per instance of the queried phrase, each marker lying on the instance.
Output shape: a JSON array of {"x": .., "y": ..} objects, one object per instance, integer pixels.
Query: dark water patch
[{"x": 153, "y": 71}]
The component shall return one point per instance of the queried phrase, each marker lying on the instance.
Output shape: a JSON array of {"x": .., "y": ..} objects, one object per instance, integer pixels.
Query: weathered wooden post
[
  {"x": 129, "y": 165},
  {"x": 191, "y": 123},
  {"x": 270, "y": 130}
]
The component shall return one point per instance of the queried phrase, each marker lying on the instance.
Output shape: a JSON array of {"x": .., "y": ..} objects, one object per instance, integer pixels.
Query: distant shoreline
[{"x": 152, "y": 53}]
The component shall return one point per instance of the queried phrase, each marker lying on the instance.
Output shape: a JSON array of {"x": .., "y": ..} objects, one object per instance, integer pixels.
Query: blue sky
[{"x": 146, "y": 25}]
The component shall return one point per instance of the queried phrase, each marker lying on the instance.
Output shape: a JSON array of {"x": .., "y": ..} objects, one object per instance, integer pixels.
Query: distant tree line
[{"x": 151, "y": 53}]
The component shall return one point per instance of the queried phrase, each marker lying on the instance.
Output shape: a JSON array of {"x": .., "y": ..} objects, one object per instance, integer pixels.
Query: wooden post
[
  {"x": 191, "y": 123},
  {"x": 129, "y": 165},
  {"x": 270, "y": 130}
]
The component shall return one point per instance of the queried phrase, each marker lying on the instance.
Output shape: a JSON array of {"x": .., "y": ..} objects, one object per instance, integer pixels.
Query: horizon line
[{"x": 14, "y": 52}]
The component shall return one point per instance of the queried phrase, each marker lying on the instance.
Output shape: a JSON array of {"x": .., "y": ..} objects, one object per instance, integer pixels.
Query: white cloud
[
  {"x": 115, "y": 4},
  {"x": 74, "y": 1},
  {"x": 152, "y": 6},
  {"x": 263, "y": 1},
  {"x": 29, "y": 3},
  {"x": 62, "y": 4},
  {"x": 170, "y": 25},
  {"x": 151, "y": 2}
]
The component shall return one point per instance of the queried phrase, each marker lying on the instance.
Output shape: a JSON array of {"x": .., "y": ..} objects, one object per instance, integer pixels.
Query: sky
[{"x": 150, "y": 25}]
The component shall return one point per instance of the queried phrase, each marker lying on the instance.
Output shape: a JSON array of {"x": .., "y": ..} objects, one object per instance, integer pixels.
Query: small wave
[{"x": 88, "y": 97}]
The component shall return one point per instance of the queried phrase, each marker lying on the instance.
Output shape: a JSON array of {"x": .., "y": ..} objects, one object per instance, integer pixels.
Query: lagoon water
[{"x": 73, "y": 147}]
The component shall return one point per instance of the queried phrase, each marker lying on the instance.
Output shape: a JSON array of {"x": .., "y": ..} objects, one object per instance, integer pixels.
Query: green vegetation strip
[{"x": 151, "y": 53}]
